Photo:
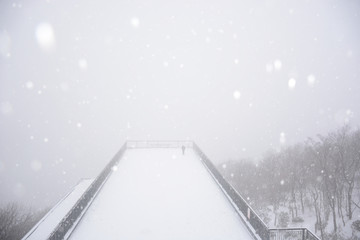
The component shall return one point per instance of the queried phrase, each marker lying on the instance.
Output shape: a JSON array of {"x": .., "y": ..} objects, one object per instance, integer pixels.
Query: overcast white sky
[{"x": 79, "y": 77}]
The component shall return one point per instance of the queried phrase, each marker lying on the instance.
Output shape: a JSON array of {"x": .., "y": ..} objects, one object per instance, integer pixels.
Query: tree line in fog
[
  {"x": 16, "y": 220},
  {"x": 321, "y": 174}
]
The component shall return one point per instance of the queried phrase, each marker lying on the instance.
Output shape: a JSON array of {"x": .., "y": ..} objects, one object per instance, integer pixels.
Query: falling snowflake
[
  {"x": 45, "y": 36},
  {"x": 29, "y": 85},
  {"x": 311, "y": 80},
  {"x": 236, "y": 94},
  {"x": 135, "y": 22},
  {"x": 277, "y": 64},
  {"x": 349, "y": 113},
  {"x": 282, "y": 139},
  {"x": 83, "y": 64},
  {"x": 292, "y": 83}
]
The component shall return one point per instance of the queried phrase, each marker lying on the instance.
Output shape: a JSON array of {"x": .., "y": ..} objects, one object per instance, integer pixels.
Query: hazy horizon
[{"x": 79, "y": 78}]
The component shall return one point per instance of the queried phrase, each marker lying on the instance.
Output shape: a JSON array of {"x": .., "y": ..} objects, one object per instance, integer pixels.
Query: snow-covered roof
[
  {"x": 160, "y": 194},
  {"x": 47, "y": 224},
  {"x": 150, "y": 190}
]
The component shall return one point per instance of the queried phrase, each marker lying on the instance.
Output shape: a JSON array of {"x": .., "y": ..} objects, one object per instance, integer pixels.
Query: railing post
[{"x": 303, "y": 235}]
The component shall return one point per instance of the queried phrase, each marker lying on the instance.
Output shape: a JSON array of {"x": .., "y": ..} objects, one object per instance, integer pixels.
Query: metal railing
[
  {"x": 292, "y": 234},
  {"x": 239, "y": 203},
  {"x": 159, "y": 144},
  {"x": 251, "y": 217},
  {"x": 74, "y": 215}
]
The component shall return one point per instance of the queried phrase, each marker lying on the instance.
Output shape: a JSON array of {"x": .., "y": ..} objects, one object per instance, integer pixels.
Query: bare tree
[
  {"x": 329, "y": 172},
  {"x": 325, "y": 170},
  {"x": 350, "y": 167},
  {"x": 16, "y": 221}
]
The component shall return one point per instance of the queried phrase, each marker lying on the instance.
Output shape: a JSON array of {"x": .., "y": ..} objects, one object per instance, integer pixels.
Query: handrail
[
  {"x": 255, "y": 221},
  {"x": 75, "y": 214},
  {"x": 292, "y": 233},
  {"x": 159, "y": 144}
]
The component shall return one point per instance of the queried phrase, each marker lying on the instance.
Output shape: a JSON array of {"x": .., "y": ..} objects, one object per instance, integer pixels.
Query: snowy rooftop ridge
[
  {"x": 159, "y": 190},
  {"x": 45, "y": 226},
  {"x": 69, "y": 224},
  {"x": 159, "y": 144}
]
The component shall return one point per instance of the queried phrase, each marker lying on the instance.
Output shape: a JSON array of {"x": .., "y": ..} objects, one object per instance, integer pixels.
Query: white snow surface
[
  {"x": 48, "y": 223},
  {"x": 160, "y": 194}
]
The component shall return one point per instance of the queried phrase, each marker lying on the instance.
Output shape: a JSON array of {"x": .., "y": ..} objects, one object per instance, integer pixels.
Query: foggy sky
[{"x": 78, "y": 78}]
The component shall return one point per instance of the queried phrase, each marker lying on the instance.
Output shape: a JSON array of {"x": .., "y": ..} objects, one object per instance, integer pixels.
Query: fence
[
  {"x": 158, "y": 144},
  {"x": 76, "y": 212},
  {"x": 255, "y": 221},
  {"x": 292, "y": 234}
]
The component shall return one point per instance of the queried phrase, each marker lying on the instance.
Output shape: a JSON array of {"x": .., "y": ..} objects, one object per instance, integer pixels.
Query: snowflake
[
  {"x": 236, "y": 94},
  {"x": 45, "y": 36},
  {"x": 282, "y": 138},
  {"x": 135, "y": 22},
  {"x": 311, "y": 80},
  {"x": 29, "y": 85},
  {"x": 277, "y": 64},
  {"x": 83, "y": 64},
  {"x": 292, "y": 83}
]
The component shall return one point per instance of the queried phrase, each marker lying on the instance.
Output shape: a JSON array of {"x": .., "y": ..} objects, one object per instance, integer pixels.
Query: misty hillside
[{"x": 243, "y": 79}]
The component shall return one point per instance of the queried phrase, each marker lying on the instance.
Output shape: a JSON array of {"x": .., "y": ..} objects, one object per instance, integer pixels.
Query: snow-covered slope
[
  {"x": 160, "y": 194},
  {"x": 48, "y": 223}
]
